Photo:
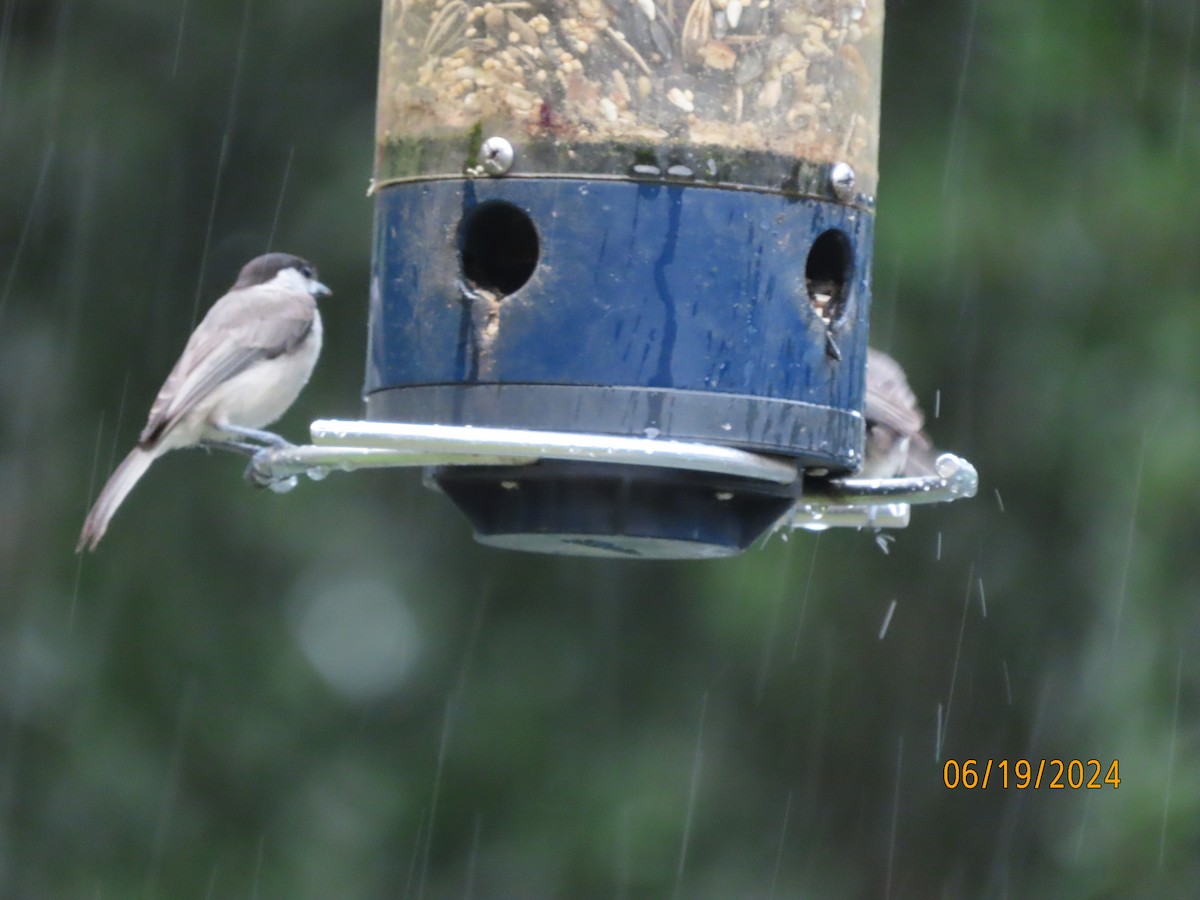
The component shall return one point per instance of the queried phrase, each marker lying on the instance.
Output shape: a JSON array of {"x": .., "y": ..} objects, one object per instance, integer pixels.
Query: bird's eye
[{"x": 306, "y": 271}]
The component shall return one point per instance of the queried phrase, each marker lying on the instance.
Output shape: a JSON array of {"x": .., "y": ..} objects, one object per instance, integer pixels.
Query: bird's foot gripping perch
[
  {"x": 270, "y": 441},
  {"x": 247, "y": 435},
  {"x": 255, "y": 443},
  {"x": 265, "y": 471}
]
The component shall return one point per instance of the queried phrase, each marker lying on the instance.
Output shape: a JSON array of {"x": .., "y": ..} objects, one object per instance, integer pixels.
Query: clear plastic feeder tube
[{"x": 763, "y": 93}]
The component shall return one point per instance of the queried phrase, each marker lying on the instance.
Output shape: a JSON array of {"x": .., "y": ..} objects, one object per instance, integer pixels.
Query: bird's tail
[{"x": 120, "y": 483}]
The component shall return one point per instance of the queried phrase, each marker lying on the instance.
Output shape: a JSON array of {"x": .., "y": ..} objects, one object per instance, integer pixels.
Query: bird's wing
[
  {"x": 889, "y": 400},
  {"x": 242, "y": 327}
]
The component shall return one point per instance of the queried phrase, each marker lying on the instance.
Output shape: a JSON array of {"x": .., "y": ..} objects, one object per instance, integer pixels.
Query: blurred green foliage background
[{"x": 336, "y": 693}]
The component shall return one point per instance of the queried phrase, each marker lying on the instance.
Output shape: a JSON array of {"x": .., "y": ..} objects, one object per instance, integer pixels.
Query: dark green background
[{"x": 335, "y": 693}]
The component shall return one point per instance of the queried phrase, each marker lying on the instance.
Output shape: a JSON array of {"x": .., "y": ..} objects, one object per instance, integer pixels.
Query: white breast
[{"x": 258, "y": 396}]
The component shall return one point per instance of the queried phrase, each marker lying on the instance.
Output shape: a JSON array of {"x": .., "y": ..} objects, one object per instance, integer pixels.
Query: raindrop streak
[
  {"x": 473, "y": 858},
  {"x": 34, "y": 204},
  {"x": 944, "y": 722},
  {"x": 938, "y": 557},
  {"x": 1123, "y": 581},
  {"x": 183, "y": 715},
  {"x": 418, "y": 842},
  {"x": 6, "y": 30},
  {"x": 693, "y": 790},
  {"x": 1144, "y": 48},
  {"x": 437, "y": 786},
  {"x": 982, "y": 600},
  {"x": 1185, "y": 89},
  {"x": 937, "y": 736},
  {"x": 52, "y": 100},
  {"x": 112, "y": 455},
  {"x": 222, "y": 157},
  {"x": 887, "y": 619},
  {"x": 287, "y": 170},
  {"x": 787, "y": 812},
  {"x": 90, "y": 492},
  {"x": 112, "y": 450},
  {"x": 212, "y": 880},
  {"x": 999, "y": 499},
  {"x": 179, "y": 40},
  {"x": 1007, "y": 682},
  {"x": 622, "y": 856},
  {"x": 1162, "y": 835},
  {"x": 464, "y": 669},
  {"x": 16, "y": 681},
  {"x": 768, "y": 651},
  {"x": 952, "y": 144},
  {"x": 887, "y": 891},
  {"x": 812, "y": 565},
  {"x": 937, "y": 403},
  {"x": 82, "y": 234},
  {"x": 258, "y": 865},
  {"x": 1081, "y": 832}
]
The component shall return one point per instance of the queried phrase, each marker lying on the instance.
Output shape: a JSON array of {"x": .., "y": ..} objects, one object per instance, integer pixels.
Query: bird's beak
[{"x": 317, "y": 289}]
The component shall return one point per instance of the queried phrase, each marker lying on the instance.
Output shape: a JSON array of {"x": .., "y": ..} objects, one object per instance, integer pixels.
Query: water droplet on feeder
[{"x": 284, "y": 485}]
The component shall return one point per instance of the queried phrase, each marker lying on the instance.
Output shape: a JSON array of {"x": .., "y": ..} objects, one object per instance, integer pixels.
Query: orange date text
[{"x": 1031, "y": 774}]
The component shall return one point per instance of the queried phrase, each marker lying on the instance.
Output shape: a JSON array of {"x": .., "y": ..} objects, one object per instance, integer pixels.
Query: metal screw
[
  {"x": 841, "y": 176},
  {"x": 496, "y": 156}
]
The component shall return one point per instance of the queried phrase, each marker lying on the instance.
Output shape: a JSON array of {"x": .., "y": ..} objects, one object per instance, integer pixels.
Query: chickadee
[
  {"x": 896, "y": 443},
  {"x": 242, "y": 368}
]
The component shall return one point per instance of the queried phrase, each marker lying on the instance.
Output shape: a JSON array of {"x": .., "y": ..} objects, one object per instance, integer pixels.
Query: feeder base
[{"x": 597, "y": 509}]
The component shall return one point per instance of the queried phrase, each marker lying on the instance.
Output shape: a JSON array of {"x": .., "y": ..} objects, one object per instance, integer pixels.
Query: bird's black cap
[{"x": 263, "y": 268}]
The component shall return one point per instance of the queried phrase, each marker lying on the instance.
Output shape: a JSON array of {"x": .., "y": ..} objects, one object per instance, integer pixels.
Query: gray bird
[
  {"x": 896, "y": 443},
  {"x": 242, "y": 368}
]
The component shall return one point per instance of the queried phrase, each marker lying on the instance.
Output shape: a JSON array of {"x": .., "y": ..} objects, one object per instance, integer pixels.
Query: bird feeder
[{"x": 621, "y": 271}]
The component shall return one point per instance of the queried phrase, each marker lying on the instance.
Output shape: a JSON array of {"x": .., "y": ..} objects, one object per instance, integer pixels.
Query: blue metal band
[{"x": 674, "y": 290}]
